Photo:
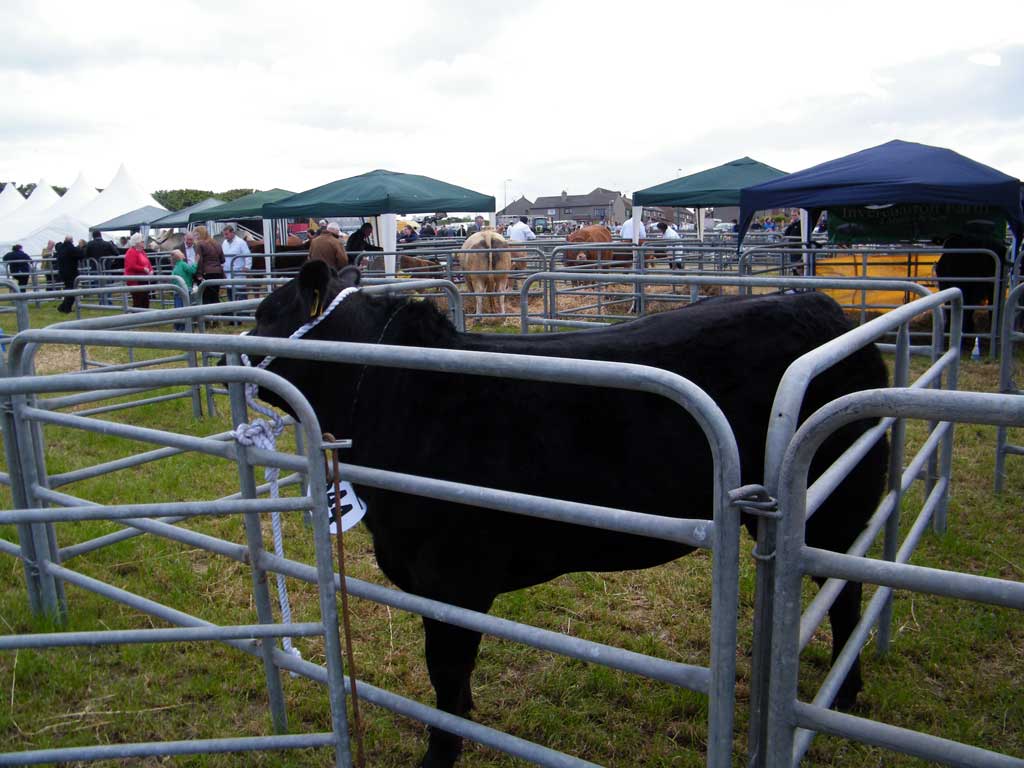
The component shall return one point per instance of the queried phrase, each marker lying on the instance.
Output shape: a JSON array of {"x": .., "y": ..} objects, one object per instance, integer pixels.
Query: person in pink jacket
[{"x": 136, "y": 263}]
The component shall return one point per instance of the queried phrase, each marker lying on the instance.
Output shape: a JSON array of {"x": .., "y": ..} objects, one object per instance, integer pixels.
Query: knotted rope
[{"x": 263, "y": 433}]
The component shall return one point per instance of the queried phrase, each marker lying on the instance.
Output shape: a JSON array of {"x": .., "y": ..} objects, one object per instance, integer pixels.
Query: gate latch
[{"x": 755, "y": 500}]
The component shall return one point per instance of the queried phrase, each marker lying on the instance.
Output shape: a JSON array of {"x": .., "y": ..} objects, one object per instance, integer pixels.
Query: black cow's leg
[
  {"x": 967, "y": 336},
  {"x": 451, "y": 655},
  {"x": 844, "y": 615}
]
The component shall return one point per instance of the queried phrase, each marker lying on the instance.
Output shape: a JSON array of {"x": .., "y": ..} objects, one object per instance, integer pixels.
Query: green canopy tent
[
  {"x": 179, "y": 219},
  {"x": 248, "y": 207},
  {"x": 137, "y": 219},
  {"x": 715, "y": 186},
  {"x": 381, "y": 193}
]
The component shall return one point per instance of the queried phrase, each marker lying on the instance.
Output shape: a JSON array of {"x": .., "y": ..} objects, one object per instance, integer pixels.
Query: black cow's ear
[
  {"x": 313, "y": 280},
  {"x": 350, "y": 276}
]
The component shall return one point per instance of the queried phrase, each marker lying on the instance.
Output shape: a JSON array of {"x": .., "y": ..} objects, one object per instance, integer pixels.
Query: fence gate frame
[
  {"x": 1007, "y": 386},
  {"x": 38, "y": 507},
  {"x": 793, "y": 723},
  {"x": 721, "y": 534}
]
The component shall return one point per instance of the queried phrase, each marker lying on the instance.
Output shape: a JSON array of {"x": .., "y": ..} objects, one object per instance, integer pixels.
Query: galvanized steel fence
[
  {"x": 1007, "y": 382},
  {"x": 779, "y": 635},
  {"x": 39, "y": 551}
]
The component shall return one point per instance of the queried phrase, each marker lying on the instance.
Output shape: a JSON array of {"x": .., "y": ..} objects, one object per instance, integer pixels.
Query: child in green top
[{"x": 186, "y": 272}]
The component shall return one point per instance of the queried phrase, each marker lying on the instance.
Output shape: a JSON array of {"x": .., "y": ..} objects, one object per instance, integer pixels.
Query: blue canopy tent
[{"x": 892, "y": 173}]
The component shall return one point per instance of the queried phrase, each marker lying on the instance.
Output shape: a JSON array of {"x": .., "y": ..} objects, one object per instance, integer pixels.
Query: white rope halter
[{"x": 263, "y": 433}]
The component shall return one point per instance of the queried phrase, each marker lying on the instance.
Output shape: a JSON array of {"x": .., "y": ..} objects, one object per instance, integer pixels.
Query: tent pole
[
  {"x": 700, "y": 223},
  {"x": 268, "y": 244},
  {"x": 805, "y": 239},
  {"x": 388, "y": 234}
]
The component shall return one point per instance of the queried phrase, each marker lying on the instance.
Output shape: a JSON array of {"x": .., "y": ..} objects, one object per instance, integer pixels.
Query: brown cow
[
  {"x": 419, "y": 267},
  {"x": 486, "y": 272},
  {"x": 595, "y": 233}
]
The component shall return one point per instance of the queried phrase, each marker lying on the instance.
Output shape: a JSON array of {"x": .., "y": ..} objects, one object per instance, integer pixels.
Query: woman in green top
[{"x": 186, "y": 272}]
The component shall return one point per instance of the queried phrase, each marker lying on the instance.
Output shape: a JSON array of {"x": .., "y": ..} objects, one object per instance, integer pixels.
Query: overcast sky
[{"x": 551, "y": 96}]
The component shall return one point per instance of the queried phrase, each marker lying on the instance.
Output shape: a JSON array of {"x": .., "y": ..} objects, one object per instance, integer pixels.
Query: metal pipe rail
[
  {"x": 786, "y": 742},
  {"x": 859, "y": 256},
  {"x": 723, "y": 533},
  {"x": 780, "y": 283},
  {"x": 790, "y": 395},
  {"x": 1007, "y": 360},
  {"x": 38, "y": 546}
]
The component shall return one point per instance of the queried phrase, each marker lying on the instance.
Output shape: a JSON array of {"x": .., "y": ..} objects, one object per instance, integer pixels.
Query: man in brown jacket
[{"x": 327, "y": 247}]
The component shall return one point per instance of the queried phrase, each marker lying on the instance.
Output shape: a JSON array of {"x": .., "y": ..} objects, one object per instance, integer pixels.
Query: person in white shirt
[
  {"x": 521, "y": 232},
  {"x": 188, "y": 247},
  {"x": 668, "y": 232},
  {"x": 237, "y": 261},
  {"x": 626, "y": 233}
]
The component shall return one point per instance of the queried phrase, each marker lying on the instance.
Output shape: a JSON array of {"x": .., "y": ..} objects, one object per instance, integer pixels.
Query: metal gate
[
  {"x": 792, "y": 723},
  {"x": 41, "y": 555}
]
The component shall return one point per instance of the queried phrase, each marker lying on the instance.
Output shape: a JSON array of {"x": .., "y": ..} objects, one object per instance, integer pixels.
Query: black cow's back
[{"x": 610, "y": 447}]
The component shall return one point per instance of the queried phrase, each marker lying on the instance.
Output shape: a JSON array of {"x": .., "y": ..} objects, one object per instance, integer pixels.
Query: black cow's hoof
[{"x": 846, "y": 697}]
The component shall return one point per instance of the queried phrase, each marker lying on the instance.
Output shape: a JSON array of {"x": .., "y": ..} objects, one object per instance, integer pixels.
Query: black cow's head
[
  {"x": 328, "y": 387},
  {"x": 303, "y": 299},
  {"x": 334, "y": 389}
]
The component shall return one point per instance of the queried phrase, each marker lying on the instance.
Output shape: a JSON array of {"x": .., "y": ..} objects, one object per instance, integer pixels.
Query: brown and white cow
[{"x": 486, "y": 272}]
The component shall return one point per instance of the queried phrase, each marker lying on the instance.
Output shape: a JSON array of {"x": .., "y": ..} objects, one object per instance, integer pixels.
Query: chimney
[{"x": 564, "y": 195}]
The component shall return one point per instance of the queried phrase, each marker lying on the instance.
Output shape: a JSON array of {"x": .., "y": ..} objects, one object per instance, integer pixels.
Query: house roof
[
  {"x": 599, "y": 196},
  {"x": 516, "y": 207}
]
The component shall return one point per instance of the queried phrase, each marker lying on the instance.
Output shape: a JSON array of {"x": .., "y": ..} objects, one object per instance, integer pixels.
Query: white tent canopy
[
  {"x": 123, "y": 194},
  {"x": 79, "y": 195},
  {"x": 56, "y": 229},
  {"x": 31, "y": 217},
  {"x": 45, "y": 216},
  {"x": 10, "y": 200},
  {"x": 16, "y": 227},
  {"x": 42, "y": 197}
]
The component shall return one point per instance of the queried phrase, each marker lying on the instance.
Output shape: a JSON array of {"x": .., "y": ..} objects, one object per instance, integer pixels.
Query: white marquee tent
[
  {"x": 10, "y": 200},
  {"x": 42, "y": 197},
  {"x": 50, "y": 217},
  {"x": 123, "y": 194},
  {"x": 79, "y": 195},
  {"x": 56, "y": 229}
]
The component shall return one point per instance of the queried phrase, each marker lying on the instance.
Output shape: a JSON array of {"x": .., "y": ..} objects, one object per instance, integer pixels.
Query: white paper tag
[{"x": 352, "y": 507}]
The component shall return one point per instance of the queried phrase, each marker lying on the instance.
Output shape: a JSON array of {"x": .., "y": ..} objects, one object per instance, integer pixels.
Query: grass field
[{"x": 955, "y": 669}]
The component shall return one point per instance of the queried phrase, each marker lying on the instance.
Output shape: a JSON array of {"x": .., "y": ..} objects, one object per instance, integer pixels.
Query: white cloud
[
  {"x": 987, "y": 59},
  {"x": 569, "y": 95}
]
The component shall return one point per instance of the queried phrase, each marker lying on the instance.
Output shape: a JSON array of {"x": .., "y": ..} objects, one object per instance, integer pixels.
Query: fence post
[
  {"x": 254, "y": 539},
  {"x": 33, "y": 583},
  {"x": 52, "y": 602}
]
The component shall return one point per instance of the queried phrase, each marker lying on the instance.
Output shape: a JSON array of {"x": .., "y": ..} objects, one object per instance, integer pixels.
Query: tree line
[{"x": 171, "y": 199}]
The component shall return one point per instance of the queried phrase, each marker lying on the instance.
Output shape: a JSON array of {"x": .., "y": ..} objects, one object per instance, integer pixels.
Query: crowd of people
[{"x": 201, "y": 257}]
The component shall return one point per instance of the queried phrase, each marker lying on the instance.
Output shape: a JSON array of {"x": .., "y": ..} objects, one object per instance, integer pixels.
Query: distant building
[
  {"x": 513, "y": 211},
  {"x": 592, "y": 208},
  {"x": 725, "y": 212}
]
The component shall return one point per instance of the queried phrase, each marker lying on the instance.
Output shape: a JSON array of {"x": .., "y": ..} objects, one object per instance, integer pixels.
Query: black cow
[
  {"x": 558, "y": 440},
  {"x": 953, "y": 267}
]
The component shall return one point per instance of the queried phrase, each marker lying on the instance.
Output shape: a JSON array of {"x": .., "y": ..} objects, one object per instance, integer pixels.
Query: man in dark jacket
[
  {"x": 19, "y": 264},
  {"x": 68, "y": 255},
  {"x": 357, "y": 242},
  {"x": 98, "y": 248}
]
